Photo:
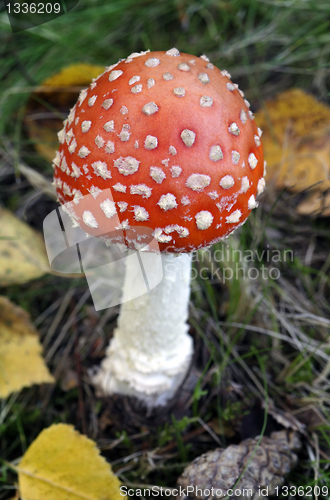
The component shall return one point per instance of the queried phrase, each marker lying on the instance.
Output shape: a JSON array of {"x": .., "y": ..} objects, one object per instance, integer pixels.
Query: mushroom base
[{"x": 151, "y": 351}]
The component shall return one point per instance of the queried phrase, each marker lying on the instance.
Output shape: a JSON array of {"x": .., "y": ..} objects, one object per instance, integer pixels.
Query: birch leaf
[
  {"x": 22, "y": 251},
  {"x": 296, "y": 143},
  {"x": 23, "y": 254},
  {"x": 21, "y": 363},
  {"x": 62, "y": 464},
  {"x": 79, "y": 74},
  {"x": 296, "y": 140}
]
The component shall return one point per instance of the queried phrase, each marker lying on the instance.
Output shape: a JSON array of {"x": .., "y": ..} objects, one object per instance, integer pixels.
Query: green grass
[{"x": 255, "y": 338}]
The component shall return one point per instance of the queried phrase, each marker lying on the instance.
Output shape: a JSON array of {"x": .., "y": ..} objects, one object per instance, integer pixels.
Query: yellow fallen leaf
[
  {"x": 303, "y": 110},
  {"x": 58, "y": 92},
  {"x": 22, "y": 251},
  {"x": 296, "y": 143},
  {"x": 23, "y": 254},
  {"x": 74, "y": 75},
  {"x": 62, "y": 464},
  {"x": 296, "y": 133},
  {"x": 306, "y": 163},
  {"x": 21, "y": 363}
]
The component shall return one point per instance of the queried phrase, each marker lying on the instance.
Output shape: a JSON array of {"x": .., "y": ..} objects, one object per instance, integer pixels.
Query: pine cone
[{"x": 220, "y": 469}]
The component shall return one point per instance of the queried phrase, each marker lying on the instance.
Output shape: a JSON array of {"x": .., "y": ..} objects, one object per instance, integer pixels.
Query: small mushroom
[{"x": 176, "y": 143}]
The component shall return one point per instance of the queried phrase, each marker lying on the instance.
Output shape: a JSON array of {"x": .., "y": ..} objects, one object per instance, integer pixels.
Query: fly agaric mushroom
[{"x": 175, "y": 141}]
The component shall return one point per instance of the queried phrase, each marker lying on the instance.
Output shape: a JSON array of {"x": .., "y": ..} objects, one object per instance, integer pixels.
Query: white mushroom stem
[{"x": 151, "y": 350}]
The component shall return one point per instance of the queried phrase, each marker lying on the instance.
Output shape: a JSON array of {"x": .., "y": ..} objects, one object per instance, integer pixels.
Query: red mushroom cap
[{"x": 175, "y": 142}]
